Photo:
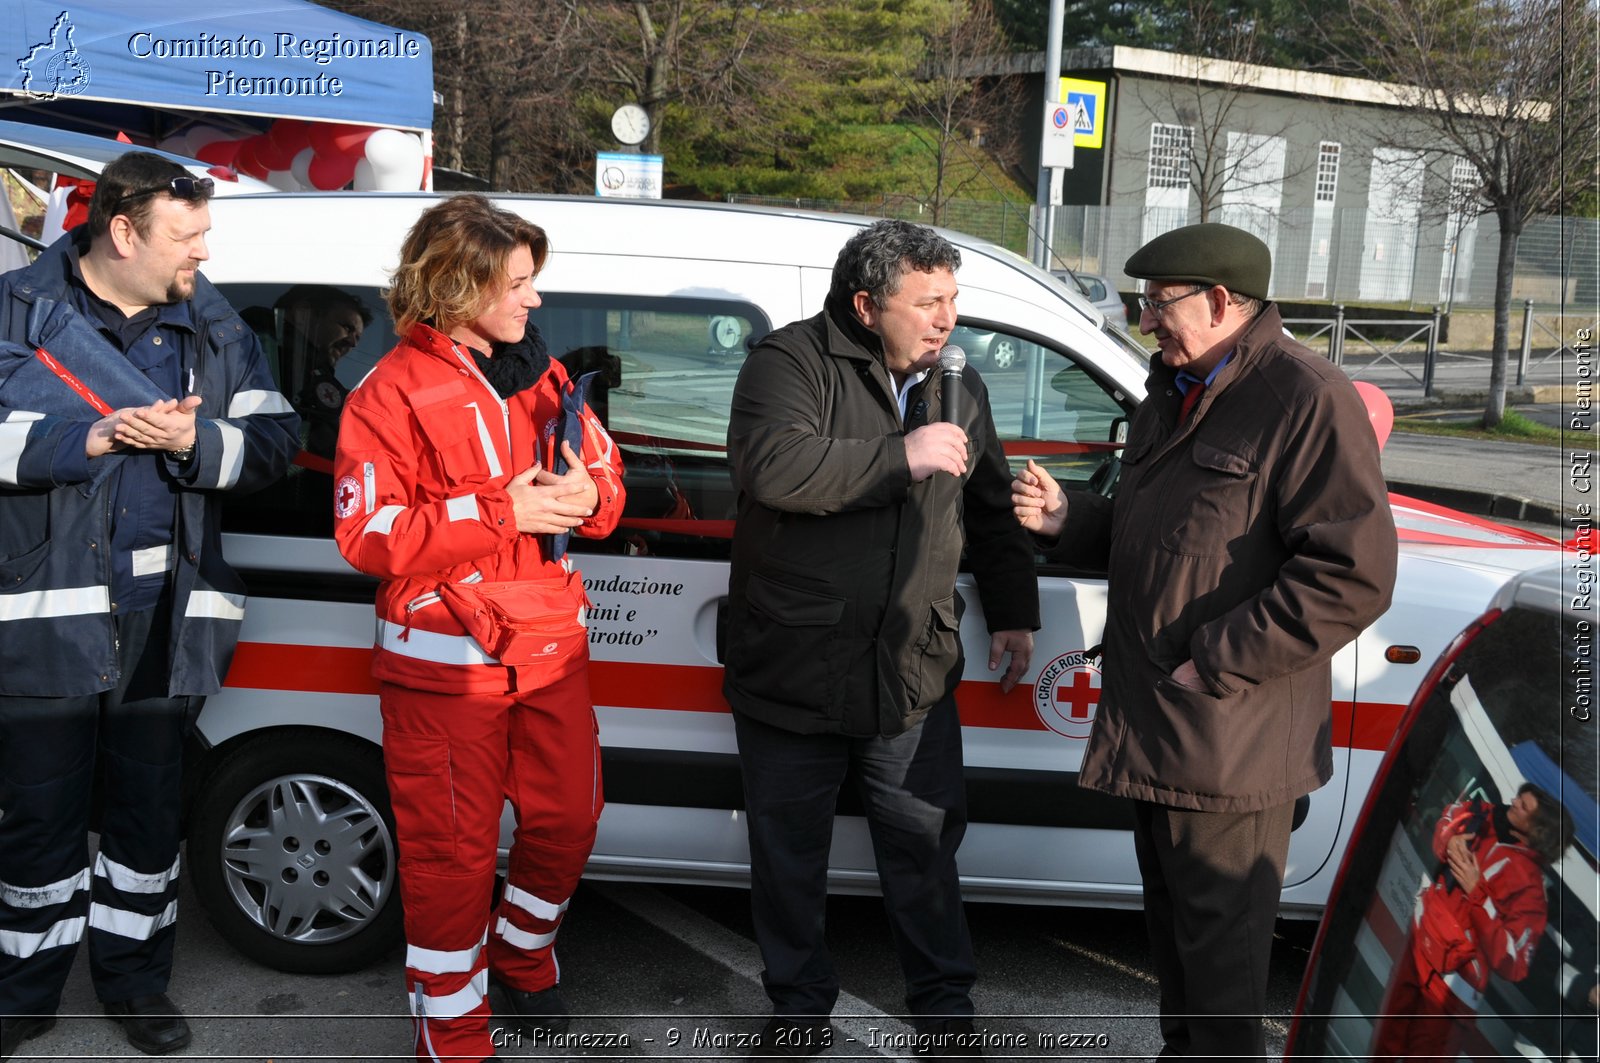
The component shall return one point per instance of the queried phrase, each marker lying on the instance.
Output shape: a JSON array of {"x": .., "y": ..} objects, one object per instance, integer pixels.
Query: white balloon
[
  {"x": 365, "y": 179},
  {"x": 301, "y": 167},
  {"x": 201, "y": 135},
  {"x": 284, "y": 181},
  {"x": 396, "y": 160}
]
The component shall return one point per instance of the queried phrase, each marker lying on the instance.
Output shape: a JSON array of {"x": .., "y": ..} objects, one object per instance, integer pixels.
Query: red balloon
[
  {"x": 1379, "y": 410},
  {"x": 329, "y": 172},
  {"x": 219, "y": 152},
  {"x": 330, "y": 138},
  {"x": 270, "y": 153},
  {"x": 290, "y": 134},
  {"x": 247, "y": 161}
]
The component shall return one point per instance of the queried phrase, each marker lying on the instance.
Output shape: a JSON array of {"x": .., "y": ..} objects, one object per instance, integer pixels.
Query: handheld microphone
[{"x": 952, "y": 360}]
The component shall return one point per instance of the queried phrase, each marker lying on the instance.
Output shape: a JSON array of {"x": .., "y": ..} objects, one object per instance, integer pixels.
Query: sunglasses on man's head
[{"x": 185, "y": 188}]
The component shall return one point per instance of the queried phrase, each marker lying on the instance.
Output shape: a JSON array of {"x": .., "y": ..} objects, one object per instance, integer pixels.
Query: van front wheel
[{"x": 292, "y": 852}]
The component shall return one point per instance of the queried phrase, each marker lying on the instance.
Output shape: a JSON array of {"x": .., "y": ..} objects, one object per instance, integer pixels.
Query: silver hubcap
[
  {"x": 1003, "y": 354},
  {"x": 308, "y": 859}
]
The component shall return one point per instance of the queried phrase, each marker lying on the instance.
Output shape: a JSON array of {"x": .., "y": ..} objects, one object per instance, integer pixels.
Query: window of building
[
  {"x": 1171, "y": 147},
  {"x": 1327, "y": 172}
]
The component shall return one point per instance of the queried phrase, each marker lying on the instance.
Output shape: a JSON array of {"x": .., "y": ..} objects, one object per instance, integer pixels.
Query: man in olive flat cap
[{"x": 1248, "y": 540}]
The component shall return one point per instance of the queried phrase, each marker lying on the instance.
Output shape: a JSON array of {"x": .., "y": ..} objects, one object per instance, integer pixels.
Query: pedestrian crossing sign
[{"x": 1086, "y": 103}]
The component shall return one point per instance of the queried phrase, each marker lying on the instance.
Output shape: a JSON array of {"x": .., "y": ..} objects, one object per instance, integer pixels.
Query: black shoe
[
  {"x": 951, "y": 1037},
  {"x": 792, "y": 1035},
  {"x": 15, "y": 1031},
  {"x": 540, "y": 1012},
  {"x": 154, "y": 1024}
]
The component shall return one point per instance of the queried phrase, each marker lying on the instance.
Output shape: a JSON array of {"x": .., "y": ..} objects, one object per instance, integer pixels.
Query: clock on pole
[{"x": 630, "y": 124}]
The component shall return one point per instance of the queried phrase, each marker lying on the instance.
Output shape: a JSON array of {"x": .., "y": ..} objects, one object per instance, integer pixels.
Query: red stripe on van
[
  {"x": 982, "y": 705},
  {"x": 698, "y": 688},
  {"x": 324, "y": 669},
  {"x": 1372, "y": 728},
  {"x": 686, "y": 688}
]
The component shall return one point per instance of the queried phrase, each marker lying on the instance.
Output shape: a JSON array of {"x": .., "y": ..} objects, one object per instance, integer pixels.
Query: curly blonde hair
[{"x": 453, "y": 262}]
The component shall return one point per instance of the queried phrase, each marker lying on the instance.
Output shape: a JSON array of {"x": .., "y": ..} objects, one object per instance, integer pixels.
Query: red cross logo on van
[{"x": 1066, "y": 695}]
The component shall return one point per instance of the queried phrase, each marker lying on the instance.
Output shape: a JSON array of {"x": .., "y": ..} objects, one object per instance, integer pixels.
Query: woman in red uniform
[{"x": 465, "y": 460}]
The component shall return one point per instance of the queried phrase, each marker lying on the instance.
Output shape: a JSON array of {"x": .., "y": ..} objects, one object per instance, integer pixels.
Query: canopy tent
[{"x": 147, "y": 68}]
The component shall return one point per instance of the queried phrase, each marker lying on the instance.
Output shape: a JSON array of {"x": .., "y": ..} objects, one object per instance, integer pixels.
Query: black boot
[
  {"x": 154, "y": 1024},
  {"x": 23, "y": 1028},
  {"x": 538, "y": 1012}
]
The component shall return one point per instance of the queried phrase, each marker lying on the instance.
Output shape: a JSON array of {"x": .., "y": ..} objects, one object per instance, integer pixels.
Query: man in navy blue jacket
[{"x": 118, "y": 614}]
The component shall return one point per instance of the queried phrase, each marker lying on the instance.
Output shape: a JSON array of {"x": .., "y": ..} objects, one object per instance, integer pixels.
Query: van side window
[
  {"x": 1048, "y": 406},
  {"x": 664, "y": 373},
  {"x": 319, "y": 341},
  {"x": 666, "y": 369}
]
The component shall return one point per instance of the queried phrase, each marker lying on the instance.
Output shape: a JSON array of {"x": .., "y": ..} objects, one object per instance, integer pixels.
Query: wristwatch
[{"x": 186, "y": 454}]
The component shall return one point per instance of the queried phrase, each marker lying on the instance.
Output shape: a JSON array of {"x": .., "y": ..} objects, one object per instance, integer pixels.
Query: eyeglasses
[
  {"x": 185, "y": 188},
  {"x": 1155, "y": 306}
]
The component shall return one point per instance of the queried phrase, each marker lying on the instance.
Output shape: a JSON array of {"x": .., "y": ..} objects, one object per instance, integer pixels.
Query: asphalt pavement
[{"x": 673, "y": 972}]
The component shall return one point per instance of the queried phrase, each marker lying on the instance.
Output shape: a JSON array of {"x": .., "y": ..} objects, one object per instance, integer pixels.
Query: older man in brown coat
[{"x": 1249, "y": 539}]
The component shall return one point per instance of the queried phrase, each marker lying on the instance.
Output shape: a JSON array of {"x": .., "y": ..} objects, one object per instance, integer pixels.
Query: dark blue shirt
[{"x": 159, "y": 341}]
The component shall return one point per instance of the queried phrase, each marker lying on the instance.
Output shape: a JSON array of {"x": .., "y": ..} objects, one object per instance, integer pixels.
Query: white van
[{"x": 290, "y": 843}]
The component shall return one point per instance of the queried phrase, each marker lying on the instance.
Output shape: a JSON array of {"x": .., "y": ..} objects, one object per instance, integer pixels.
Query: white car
[
  {"x": 1099, "y": 291},
  {"x": 290, "y": 843}
]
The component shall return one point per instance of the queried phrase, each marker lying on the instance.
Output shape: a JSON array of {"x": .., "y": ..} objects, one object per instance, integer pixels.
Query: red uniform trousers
[{"x": 452, "y": 761}]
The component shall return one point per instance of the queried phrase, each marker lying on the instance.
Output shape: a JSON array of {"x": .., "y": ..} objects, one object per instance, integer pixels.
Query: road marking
[{"x": 739, "y": 954}]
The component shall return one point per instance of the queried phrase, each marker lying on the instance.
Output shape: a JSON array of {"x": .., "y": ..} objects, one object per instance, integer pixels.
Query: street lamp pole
[{"x": 1042, "y": 234}]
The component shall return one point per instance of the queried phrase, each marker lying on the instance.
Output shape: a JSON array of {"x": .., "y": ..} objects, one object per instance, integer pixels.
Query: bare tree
[
  {"x": 1219, "y": 61},
  {"x": 960, "y": 118},
  {"x": 508, "y": 71},
  {"x": 661, "y": 52},
  {"x": 1509, "y": 86}
]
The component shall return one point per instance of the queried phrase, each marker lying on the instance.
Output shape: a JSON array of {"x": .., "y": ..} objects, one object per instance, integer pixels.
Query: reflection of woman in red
[{"x": 1483, "y": 914}]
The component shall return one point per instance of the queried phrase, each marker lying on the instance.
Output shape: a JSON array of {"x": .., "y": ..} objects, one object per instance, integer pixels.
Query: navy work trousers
[
  {"x": 916, "y": 808},
  {"x": 51, "y": 750}
]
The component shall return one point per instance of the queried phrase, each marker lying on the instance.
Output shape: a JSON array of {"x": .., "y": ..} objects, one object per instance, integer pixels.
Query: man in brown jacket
[{"x": 1249, "y": 539}]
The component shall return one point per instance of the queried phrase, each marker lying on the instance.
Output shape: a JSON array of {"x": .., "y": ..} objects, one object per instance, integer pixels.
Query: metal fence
[{"x": 1349, "y": 255}]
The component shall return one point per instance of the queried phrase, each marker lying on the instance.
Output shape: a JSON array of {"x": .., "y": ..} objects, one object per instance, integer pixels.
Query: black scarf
[{"x": 516, "y": 366}]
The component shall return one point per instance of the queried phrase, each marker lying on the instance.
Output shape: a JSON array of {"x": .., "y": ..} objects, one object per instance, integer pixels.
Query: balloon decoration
[
  {"x": 219, "y": 152},
  {"x": 247, "y": 161},
  {"x": 270, "y": 153},
  {"x": 300, "y": 166},
  {"x": 1379, "y": 410},
  {"x": 201, "y": 135},
  {"x": 331, "y": 139},
  {"x": 295, "y": 155},
  {"x": 283, "y": 181},
  {"x": 329, "y": 172},
  {"x": 395, "y": 159}
]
